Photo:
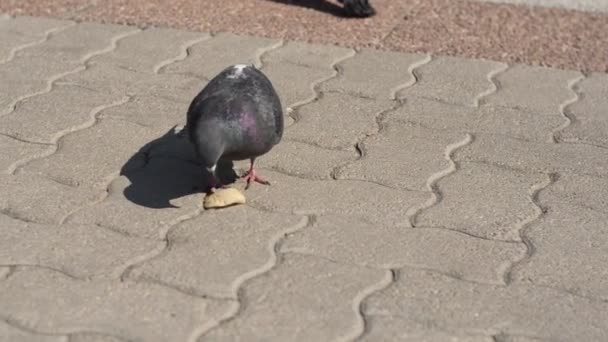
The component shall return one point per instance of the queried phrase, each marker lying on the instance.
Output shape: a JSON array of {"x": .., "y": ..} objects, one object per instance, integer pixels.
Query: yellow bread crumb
[{"x": 222, "y": 198}]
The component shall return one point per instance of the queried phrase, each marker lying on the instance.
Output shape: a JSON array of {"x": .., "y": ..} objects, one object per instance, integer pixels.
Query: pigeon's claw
[{"x": 251, "y": 176}]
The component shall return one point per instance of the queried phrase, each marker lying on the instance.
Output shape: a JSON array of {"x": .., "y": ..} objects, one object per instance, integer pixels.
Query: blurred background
[{"x": 569, "y": 34}]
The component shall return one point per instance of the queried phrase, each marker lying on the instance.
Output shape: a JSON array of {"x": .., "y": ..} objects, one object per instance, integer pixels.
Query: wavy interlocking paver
[
  {"x": 220, "y": 245},
  {"x": 576, "y": 209},
  {"x": 83, "y": 161},
  {"x": 124, "y": 128},
  {"x": 77, "y": 250},
  {"x": 538, "y": 89},
  {"x": 133, "y": 201},
  {"x": 95, "y": 337},
  {"x": 369, "y": 201},
  {"x": 293, "y": 158},
  {"x": 455, "y": 305},
  {"x": 310, "y": 64},
  {"x": 337, "y": 121},
  {"x": 61, "y": 54},
  {"x": 484, "y": 201},
  {"x": 118, "y": 82},
  {"x": 41, "y": 118},
  {"x": 72, "y": 162},
  {"x": 303, "y": 299},
  {"x": 535, "y": 156},
  {"x": 208, "y": 58},
  {"x": 454, "y": 80},
  {"x": 384, "y": 155},
  {"x": 409, "y": 329},
  {"x": 14, "y": 149},
  {"x": 348, "y": 240},
  {"x": 589, "y": 115},
  {"x": 487, "y": 119},
  {"x": 11, "y": 333},
  {"x": 39, "y": 199},
  {"x": 511, "y": 338},
  {"x": 375, "y": 74},
  {"x": 22, "y": 32},
  {"x": 157, "y": 114},
  {"x": 148, "y": 51},
  {"x": 136, "y": 311}
]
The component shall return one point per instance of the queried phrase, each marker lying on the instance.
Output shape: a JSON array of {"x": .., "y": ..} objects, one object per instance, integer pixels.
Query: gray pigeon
[{"x": 237, "y": 116}]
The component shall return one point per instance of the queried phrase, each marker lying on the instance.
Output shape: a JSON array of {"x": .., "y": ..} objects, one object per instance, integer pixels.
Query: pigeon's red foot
[{"x": 251, "y": 176}]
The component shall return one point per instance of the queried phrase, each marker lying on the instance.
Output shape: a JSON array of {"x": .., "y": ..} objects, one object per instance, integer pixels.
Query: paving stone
[
  {"x": 535, "y": 157},
  {"x": 455, "y": 305},
  {"x": 502, "y": 338},
  {"x": 385, "y": 155},
  {"x": 369, "y": 201},
  {"x": 302, "y": 299},
  {"x": 392, "y": 328},
  {"x": 10, "y": 333},
  {"x": 304, "y": 160},
  {"x": 43, "y": 117},
  {"x": 13, "y": 150},
  {"x": 151, "y": 49},
  {"x": 347, "y": 240},
  {"x": 23, "y": 31},
  {"x": 484, "y": 201},
  {"x": 454, "y": 80},
  {"x": 533, "y": 88},
  {"x": 5, "y": 271},
  {"x": 208, "y": 58},
  {"x": 78, "y": 250},
  {"x": 375, "y": 74},
  {"x": 78, "y": 42},
  {"x": 510, "y": 122},
  {"x": 15, "y": 86},
  {"x": 134, "y": 200},
  {"x": 578, "y": 192},
  {"x": 214, "y": 250},
  {"x": 337, "y": 121},
  {"x": 590, "y": 119},
  {"x": 95, "y": 337},
  {"x": 63, "y": 52},
  {"x": 136, "y": 311},
  {"x": 38, "y": 199},
  {"x": 91, "y": 156},
  {"x": 296, "y": 68},
  {"x": 155, "y": 113},
  {"x": 570, "y": 241},
  {"x": 119, "y": 82}
]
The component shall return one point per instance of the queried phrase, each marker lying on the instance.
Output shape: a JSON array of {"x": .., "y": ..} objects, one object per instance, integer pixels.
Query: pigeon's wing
[{"x": 269, "y": 102}]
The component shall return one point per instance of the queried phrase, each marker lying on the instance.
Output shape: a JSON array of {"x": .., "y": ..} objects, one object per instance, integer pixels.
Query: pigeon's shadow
[
  {"x": 165, "y": 169},
  {"x": 317, "y": 5}
]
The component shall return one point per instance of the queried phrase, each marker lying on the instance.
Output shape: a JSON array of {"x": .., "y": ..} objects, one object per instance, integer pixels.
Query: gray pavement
[{"x": 414, "y": 197}]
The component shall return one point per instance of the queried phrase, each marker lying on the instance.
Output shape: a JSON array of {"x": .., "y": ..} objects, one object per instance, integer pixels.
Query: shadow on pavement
[{"x": 171, "y": 171}]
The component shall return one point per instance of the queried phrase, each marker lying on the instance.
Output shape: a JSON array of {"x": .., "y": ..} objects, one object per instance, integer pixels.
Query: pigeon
[{"x": 238, "y": 115}]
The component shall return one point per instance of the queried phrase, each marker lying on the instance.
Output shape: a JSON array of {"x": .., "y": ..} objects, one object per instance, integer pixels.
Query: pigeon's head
[{"x": 238, "y": 70}]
